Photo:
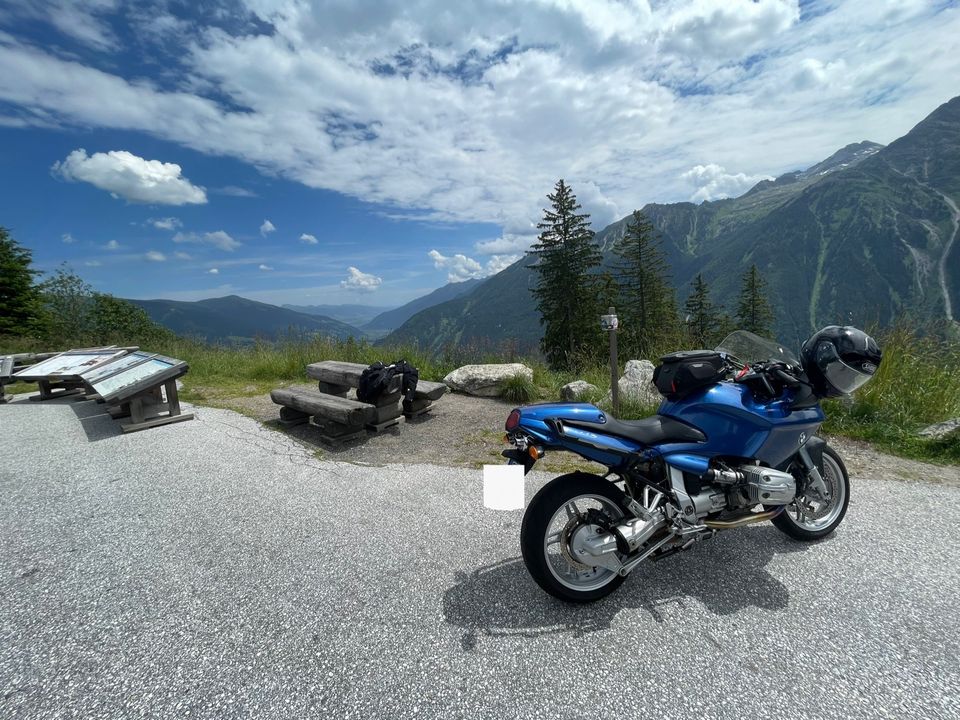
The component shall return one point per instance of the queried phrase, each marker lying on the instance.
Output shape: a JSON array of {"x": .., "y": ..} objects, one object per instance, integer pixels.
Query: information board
[
  {"x": 138, "y": 378},
  {"x": 122, "y": 363},
  {"x": 70, "y": 363}
]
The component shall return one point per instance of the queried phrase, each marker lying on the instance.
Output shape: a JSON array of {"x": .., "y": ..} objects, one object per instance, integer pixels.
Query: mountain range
[
  {"x": 861, "y": 237},
  {"x": 239, "y": 320}
]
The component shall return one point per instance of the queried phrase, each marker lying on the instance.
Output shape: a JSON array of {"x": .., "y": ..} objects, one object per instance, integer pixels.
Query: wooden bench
[{"x": 340, "y": 418}]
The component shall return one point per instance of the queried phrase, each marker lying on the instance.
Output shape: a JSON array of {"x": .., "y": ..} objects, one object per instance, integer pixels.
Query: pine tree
[
  {"x": 565, "y": 291},
  {"x": 650, "y": 312},
  {"x": 754, "y": 312},
  {"x": 703, "y": 318},
  {"x": 20, "y": 307}
]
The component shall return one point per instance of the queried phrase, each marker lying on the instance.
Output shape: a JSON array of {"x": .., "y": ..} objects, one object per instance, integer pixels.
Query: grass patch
[
  {"x": 918, "y": 382},
  {"x": 520, "y": 389}
]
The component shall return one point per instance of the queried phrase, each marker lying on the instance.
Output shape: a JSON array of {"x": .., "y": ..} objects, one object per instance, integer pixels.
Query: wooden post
[{"x": 614, "y": 364}]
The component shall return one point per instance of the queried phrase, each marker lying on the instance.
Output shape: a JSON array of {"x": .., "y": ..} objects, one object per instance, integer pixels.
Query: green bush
[{"x": 519, "y": 389}]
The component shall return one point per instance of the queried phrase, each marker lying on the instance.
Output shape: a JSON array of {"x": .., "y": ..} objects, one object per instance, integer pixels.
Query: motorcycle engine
[{"x": 757, "y": 485}]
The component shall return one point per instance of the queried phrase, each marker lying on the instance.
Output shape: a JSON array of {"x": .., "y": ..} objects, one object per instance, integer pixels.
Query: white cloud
[
  {"x": 182, "y": 256},
  {"x": 506, "y": 243},
  {"x": 266, "y": 228},
  {"x": 218, "y": 239},
  {"x": 167, "y": 223},
  {"x": 713, "y": 182},
  {"x": 265, "y": 267},
  {"x": 308, "y": 239},
  {"x": 68, "y": 238},
  {"x": 154, "y": 256},
  {"x": 93, "y": 263},
  {"x": 213, "y": 271},
  {"x": 112, "y": 245},
  {"x": 80, "y": 21},
  {"x": 125, "y": 175},
  {"x": 234, "y": 191},
  {"x": 459, "y": 267},
  {"x": 360, "y": 281}
]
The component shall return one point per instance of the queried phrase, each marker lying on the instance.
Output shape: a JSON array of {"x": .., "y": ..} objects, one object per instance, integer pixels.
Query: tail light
[{"x": 513, "y": 419}]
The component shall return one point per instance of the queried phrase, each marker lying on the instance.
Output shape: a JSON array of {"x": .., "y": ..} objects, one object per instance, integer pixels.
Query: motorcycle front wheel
[
  {"x": 554, "y": 518},
  {"x": 813, "y": 516}
]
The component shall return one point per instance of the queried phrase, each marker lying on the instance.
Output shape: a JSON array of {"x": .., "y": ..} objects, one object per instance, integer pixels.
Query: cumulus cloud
[
  {"x": 459, "y": 267},
  {"x": 506, "y": 243},
  {"x": 213, "y": 271},
  {"x": 68, "y": 238},
  {"x": 126, "y": 175},
  {"x": 360, "y": 281},
  {"x": 308, "y": 239},
  {"x": 154, "y": 256},
  {"x": 112, "y": 245},
  {"x": 167, "y": 223},
  {"x": 265, "y": 267},
  {"x": 182, "y": 256},
  {"x": 218, "y": 239},
  {"x": 266, "y": 228},
  {"x": 712, "y": 182}
]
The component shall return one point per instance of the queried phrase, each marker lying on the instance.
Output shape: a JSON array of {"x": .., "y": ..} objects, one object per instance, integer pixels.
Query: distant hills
[
  {"x": 236, "y": 319},
  {"x": 860, "y": 237},
  {"x": 351, "y": 314},
  {"x": 240, "y": 320},
  {"x": 387, "y": 321}
]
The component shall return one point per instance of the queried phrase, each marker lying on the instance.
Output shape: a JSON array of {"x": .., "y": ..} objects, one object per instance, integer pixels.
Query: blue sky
[{"x": 328, "y": 152}]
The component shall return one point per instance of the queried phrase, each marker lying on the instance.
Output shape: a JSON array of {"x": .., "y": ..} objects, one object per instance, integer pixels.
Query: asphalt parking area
[{"x": 215, "y": 568}]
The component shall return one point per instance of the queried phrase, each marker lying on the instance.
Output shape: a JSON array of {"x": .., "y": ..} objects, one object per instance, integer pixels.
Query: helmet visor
[{"x": 843, "y": 377}]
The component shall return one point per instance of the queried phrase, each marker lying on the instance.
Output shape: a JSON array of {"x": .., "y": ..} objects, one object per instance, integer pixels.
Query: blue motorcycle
[{"x": 733, "y": 443}]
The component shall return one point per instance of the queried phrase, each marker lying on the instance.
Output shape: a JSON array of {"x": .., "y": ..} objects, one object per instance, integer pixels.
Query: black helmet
[{"x": 838, "y": 360}]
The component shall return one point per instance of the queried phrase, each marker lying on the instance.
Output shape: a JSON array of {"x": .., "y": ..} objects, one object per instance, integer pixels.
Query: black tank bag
[{"x": 681, "y": 373}]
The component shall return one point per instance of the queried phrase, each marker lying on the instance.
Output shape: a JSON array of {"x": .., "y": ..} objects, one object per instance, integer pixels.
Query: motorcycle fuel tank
[{"x": 736, "y": 423}]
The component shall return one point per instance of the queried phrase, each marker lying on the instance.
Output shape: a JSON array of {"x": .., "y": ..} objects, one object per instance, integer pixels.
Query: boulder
[
  {"x": 941, "y": 429},
  {"x": 485, "y": 380},
  {"x": 577, "y": 390},
  {"x": 636, "y": 385}
]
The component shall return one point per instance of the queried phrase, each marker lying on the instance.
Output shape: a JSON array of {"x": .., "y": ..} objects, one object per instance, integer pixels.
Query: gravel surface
[{"x": 217, "y": 569}]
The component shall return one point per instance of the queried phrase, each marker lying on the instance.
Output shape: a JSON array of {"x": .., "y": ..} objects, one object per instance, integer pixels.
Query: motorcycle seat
[{"x": 654, "y": 430}]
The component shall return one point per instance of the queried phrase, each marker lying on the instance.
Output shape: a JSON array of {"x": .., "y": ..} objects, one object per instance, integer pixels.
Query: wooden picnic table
[{"x": 341, "y": 418}]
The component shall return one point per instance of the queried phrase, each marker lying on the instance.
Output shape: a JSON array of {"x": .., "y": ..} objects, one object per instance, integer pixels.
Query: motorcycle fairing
[{"x": 737, "y": 423}]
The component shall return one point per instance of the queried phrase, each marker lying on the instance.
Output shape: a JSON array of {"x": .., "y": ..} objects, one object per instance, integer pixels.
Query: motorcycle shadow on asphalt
[{"x": 725, "y": 574}]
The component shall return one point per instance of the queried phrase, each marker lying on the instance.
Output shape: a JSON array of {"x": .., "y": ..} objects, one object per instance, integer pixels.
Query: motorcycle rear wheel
[
  {"x": 800, "y": 523},
  {"x": 554, "y": 515}
]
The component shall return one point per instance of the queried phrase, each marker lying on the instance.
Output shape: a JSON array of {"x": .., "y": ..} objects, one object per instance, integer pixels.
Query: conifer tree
[
  {"x": 565, "y": 291},
  {"x": 703, "y": 318},
  {"x": 650, "y": 312},
  {"x": 754, "y": 312},
  {"x": 20, "y": 306}
]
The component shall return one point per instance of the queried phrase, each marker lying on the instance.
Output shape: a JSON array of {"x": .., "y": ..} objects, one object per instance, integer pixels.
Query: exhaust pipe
[{"x": 749, "y": 519}]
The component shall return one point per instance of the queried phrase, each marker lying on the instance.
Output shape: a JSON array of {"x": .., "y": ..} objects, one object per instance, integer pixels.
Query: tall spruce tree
[
  {"x": 754, "y": 312},
  {"x": 650, "y": 311},
  {"x": 20, "y": 306},
  {"x": 703, "y": 318},
  {"x": 565, "y": 291}
]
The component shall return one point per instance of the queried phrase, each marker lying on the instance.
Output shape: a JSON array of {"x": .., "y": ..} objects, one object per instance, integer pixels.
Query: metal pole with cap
[{"x": 610, "y": 323}]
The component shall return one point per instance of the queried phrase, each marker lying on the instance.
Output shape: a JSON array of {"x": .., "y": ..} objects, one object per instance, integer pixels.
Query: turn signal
[{"x": 533, "y": 452}]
